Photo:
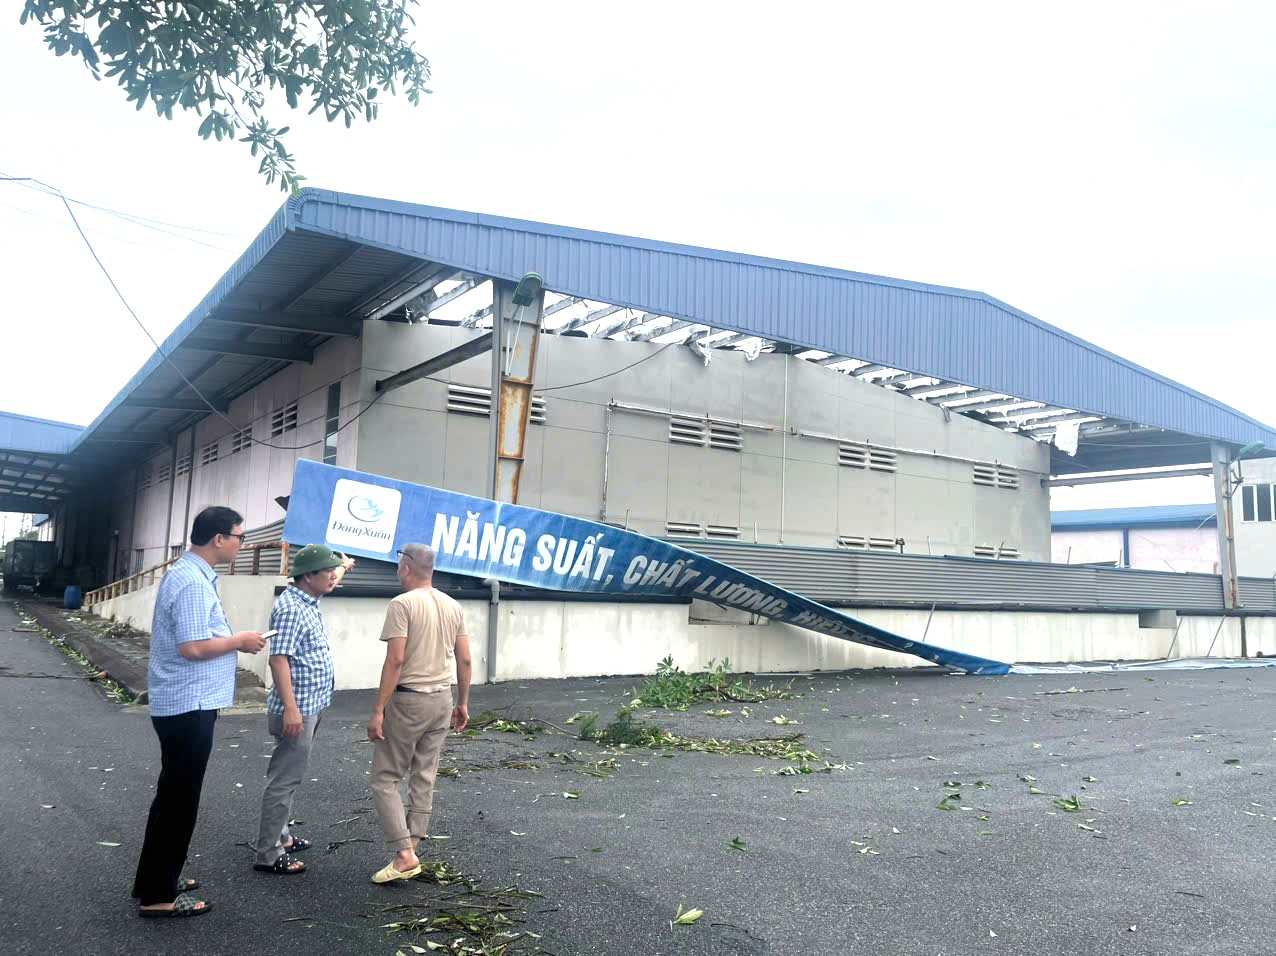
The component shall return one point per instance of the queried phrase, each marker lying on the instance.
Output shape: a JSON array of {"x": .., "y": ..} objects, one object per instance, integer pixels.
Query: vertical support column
[
  {"x": 1221, "y": 460},
  {"x": 513, "y": 369},
  {"x": 515, "y": 337},
  {"x": 172, "y": 490}
]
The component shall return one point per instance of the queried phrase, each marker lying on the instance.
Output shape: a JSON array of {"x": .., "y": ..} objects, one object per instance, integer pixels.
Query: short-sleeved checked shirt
[
  {"x": 187, "y": 608},
  {"x": 303, "y": 639}
]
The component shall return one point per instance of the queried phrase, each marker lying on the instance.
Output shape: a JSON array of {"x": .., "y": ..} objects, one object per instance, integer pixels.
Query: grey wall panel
[
  {"x": 760, "y": 497},
  {"x": 406, "y": 443},
  {"x": 865, "y": 503},
  {"x": 704, "y": 486},
  {"x": 585, "y": 416},
  {"x": 571, "y": 471},
  {"x": 638, "y": 483},
  {"x": 762, "y": 390},
  {"x": 923, "y": 427},
  {"x": 809, "y": 491},
  {"x": 798, "y": 448},
  {"x": 930, "y": 508},
  {"x": 866, "y": 421},
  {"x": 466, "y": 463}
]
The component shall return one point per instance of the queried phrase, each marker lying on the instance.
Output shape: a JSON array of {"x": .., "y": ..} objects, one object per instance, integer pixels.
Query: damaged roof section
[{"x": 327, "y": 262}]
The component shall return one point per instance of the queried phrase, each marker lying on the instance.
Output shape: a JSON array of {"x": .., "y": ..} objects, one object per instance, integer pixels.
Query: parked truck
[{"x": 28, "y": 564}]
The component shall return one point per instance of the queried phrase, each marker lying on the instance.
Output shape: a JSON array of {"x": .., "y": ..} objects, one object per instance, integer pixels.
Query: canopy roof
[{"x": 327, "y": 262}]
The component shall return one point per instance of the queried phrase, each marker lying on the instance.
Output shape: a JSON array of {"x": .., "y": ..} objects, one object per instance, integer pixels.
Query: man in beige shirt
[{"x": 427, "y": 651}]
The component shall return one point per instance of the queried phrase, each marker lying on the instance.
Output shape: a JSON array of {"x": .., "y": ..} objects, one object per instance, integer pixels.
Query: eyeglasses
[{"x": 229, "y": 534}]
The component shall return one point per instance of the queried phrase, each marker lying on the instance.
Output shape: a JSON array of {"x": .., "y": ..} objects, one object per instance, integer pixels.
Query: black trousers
[{"x": 186, "y": 740}]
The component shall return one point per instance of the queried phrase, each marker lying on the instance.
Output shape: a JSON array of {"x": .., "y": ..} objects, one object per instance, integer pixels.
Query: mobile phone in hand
[{"x": 269, "y": 634}]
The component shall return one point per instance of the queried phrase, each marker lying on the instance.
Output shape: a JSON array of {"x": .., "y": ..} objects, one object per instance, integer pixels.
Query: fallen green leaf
[
  {"x": 686, "y": 918},
  {"x": 737, "y": 844},
  {"x": 1180, "y": 802},
  {"x": 1068, "y": 804}
]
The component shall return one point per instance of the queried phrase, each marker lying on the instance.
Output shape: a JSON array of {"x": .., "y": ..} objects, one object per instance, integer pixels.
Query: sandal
[
  {"x": 391, "y": 873},
  {"x": 187, "y": 886},
  {"x": 183, "y": 905},
  {"x": 284, "y": 866},
  {"x": 297, "y": 845}
]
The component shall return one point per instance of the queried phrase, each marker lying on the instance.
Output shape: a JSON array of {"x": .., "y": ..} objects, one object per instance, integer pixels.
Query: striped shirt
[
  {"x": 187, "y": 608},
  {"x": 303, "y": 639}
]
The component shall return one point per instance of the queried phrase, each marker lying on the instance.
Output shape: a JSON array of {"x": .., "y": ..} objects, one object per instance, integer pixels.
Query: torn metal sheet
[{"x": 1177, "y": 664}]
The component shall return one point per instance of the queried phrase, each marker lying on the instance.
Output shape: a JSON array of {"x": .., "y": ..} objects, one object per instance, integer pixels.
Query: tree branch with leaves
[{"x": 221, "y": 59}]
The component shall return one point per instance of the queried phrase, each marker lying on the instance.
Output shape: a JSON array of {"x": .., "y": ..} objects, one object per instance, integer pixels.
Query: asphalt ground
[{"x": 860, "y": 859}]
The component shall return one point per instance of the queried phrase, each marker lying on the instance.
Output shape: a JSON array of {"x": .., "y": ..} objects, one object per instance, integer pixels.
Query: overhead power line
[{"x": 212, "y": 408}]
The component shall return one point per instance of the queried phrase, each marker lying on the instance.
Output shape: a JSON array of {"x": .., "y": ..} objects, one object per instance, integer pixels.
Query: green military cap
[{"x": 314, "y": 557}]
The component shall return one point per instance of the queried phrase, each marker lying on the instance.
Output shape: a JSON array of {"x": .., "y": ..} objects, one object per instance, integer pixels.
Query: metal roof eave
[
  {"x": 41, "y": 436},
  {"x": 620, "y": 270},
  {"x": 266, "y": 240}
]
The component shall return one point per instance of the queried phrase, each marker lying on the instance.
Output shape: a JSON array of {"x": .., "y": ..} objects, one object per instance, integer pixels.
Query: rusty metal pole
[{"x": 516, "y": 321}]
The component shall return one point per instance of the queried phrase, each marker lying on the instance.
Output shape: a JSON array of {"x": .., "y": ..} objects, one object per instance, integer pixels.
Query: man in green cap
[{"x": 301, "y": 665}]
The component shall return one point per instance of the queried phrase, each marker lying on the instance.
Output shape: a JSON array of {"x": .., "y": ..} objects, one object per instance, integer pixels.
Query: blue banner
[{"x": 373, "y": 517}]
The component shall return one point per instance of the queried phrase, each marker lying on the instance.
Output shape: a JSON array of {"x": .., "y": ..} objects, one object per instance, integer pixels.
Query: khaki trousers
[{"x": 415, "y": 726}]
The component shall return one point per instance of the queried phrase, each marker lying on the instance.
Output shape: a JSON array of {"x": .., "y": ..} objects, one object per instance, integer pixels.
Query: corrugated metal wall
[
  {"x": 905, "y": 580},
  {"x": 865, "y": 578}
]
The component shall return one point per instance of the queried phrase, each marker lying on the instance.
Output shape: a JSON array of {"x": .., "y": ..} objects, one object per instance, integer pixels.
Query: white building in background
[
  {"x": 1255, "y": 511},
  {"x": 1157, "y": 538}
]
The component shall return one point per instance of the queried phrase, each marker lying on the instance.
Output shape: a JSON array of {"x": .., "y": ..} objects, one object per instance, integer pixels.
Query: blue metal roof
[
  {"x": 1152, "y": 516},
  {"x": 23, "y": 433},
  {"x": 952, "y": 334}
]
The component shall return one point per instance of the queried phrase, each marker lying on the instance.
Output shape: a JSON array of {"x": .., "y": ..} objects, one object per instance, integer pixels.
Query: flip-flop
[
  {"x": 390, "y": 873},
  {"x": 182, "y": 906},
  {"x": 284, "y": 866}
]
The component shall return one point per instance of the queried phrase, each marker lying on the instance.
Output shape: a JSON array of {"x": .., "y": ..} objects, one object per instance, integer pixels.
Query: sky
[{"x": 1109, "y": 171}]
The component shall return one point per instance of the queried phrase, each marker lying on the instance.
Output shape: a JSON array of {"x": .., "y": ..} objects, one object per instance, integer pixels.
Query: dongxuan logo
[
  {"x": 364, "y": 517},
  {"x": 364, "y": 509}
]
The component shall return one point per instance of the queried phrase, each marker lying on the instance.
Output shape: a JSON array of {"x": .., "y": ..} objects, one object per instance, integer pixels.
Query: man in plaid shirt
[{"x": 301, "y": 665}]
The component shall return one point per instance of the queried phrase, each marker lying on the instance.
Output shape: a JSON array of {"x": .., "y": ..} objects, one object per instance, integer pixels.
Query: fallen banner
[{"x": 372, "y": 516}]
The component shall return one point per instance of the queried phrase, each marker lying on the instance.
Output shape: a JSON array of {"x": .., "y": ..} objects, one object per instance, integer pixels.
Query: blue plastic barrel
[{"x": 72, "y": 597}]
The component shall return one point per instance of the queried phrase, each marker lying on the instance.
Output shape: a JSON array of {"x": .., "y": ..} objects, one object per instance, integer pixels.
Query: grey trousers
[{"x": 283, "y": 776}]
